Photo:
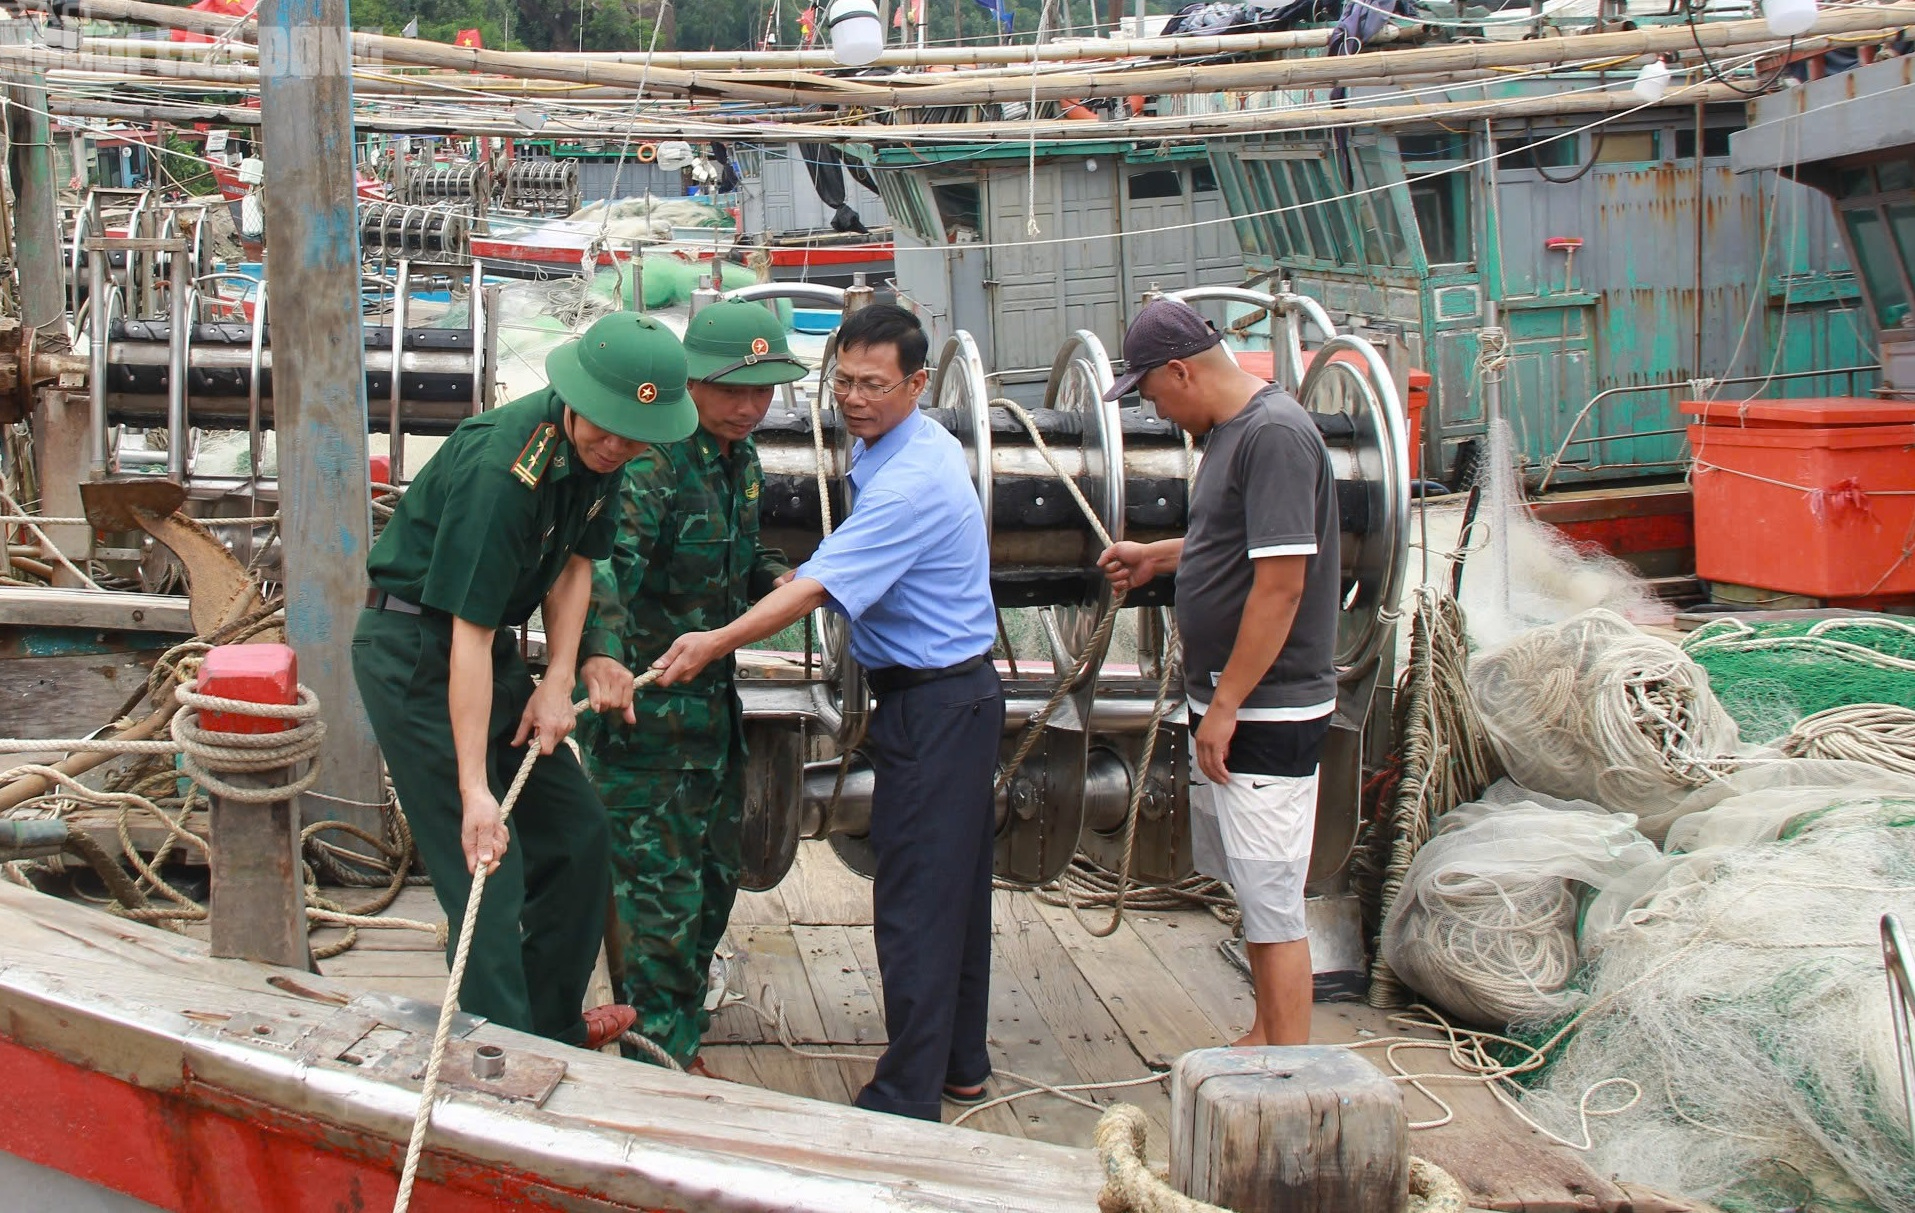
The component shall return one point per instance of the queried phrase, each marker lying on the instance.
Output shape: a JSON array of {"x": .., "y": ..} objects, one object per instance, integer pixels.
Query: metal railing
[
  {"x": 1901, "y": 1009},
  {"x": 1697, "y": 386}
]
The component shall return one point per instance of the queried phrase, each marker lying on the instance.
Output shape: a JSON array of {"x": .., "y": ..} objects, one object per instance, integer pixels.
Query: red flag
[
  {"x": 897, "y": 18},
  {"x": 469, "y": 37},
  {"x": 807, "y": 23},
  {"x": 224, "y": 8}
]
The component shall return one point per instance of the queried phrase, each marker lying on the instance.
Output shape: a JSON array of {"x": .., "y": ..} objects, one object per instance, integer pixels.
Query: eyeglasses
[{"x": 867, "y": 388}]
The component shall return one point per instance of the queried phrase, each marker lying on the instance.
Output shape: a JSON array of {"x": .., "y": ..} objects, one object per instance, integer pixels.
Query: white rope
[
  {"x": 429, "y": 1087},
  {"x": 22, "y": 518}
]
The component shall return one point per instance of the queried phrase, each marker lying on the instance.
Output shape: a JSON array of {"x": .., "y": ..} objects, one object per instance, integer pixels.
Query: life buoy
[
  {"x": 647, "y": 152},
  {"x": 1075, "y": 111}
]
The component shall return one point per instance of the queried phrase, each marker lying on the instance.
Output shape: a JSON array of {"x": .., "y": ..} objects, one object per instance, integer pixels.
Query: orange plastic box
[
  {"x": 1813, "y": 497},
  {"x": 256, "y": 673}
]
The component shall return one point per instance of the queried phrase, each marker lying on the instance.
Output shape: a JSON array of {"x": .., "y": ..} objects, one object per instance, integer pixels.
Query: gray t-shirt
[{"x": 1264, "y": 488}]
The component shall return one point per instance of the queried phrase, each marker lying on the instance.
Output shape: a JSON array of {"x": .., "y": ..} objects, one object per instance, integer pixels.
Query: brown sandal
[{"x": 605, "y": 1024}]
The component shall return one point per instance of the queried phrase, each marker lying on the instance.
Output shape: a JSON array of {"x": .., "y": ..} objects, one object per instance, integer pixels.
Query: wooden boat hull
[{"x": 134, "y": 1062}]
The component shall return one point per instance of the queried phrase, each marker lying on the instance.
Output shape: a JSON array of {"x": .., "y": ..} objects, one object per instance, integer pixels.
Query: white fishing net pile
[
  {"x": 1593, "y": 708},
  {"x": 1521, "y": 573},
  {"x": 649, "y": 218},
  {"x": 1738, "y": 984},
  {"x": 1485, "y": 923}
]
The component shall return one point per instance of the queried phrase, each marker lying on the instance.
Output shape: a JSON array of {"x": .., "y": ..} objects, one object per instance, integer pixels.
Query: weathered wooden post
[
  {"x": 1288, "y": 1130},
  {"x": 258, "y": 902},
  {"x": 319, "y": 375},
  {"x": 59, "y": 421}
]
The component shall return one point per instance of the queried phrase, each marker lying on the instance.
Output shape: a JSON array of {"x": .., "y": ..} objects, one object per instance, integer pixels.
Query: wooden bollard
[
  {"x": 1308, "y": 1129},
  {"x": 258, "y": 902}
]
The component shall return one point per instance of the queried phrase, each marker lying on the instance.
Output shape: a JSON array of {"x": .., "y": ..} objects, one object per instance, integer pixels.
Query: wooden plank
[
  {"x": 1186, "y": 941},
  {"x": 143, "y": 828},
  {"x": 769, "y": 957},
  {"x": 69, "y": 695},
  {"x": 736, "y": 1023},
  {"x": 766, "y": 909},
  {"x": 414, "y": 904},
  {"x": 362, "y": 963},
  {"x": 846, "y": 1005},
  {"x": 821, "y": 890},
  {"x": 1149, "y": 1001},
  {"x": 1088, "y": 1036},
  {"x": 168, "y": 615}
]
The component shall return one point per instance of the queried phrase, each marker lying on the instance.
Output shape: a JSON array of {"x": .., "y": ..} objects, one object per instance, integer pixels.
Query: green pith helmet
[
  {"x": 626, "y": 375},
  {"x": 737, "y": 342}
]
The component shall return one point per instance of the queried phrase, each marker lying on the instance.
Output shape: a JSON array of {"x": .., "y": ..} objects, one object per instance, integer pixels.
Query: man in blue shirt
[{"x": 911, "y": 569}]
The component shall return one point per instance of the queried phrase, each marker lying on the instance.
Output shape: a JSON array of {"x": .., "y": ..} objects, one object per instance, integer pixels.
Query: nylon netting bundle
[
  {"x": 1592, "y": 708},
  {"x": 1770, "y": 675},
  {"x": 1485, "y": 923},
  {"x": 1738, "y": 983}
]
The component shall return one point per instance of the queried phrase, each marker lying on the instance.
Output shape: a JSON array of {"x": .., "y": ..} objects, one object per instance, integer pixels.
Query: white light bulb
[
  {"x": 1788, "y": 18},
  {"x": 1651, "y": 82},
  {"x": 857, "y": 36},
  {"x": 1090, "y": 166}
]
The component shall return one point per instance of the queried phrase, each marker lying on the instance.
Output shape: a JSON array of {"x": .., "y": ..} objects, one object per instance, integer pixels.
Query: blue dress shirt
[{"x": 911, "y": 566}]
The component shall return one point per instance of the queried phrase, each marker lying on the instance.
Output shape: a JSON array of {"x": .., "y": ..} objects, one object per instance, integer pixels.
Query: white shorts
[{"x": 1255, "y": 832}]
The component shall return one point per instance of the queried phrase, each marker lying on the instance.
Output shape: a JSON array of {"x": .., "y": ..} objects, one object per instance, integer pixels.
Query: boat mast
[{"x": 319, "y": 375}]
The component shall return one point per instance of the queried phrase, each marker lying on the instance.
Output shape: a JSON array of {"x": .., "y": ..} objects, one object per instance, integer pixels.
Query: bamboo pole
[
  {"x": 1368, "y": 67},
  {"x": 1239, "y": 122}
]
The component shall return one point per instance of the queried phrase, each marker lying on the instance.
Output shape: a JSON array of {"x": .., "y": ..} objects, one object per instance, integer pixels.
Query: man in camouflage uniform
[
  {"x": 670, "y": 765},
  {"x": 507, "y": 518}
]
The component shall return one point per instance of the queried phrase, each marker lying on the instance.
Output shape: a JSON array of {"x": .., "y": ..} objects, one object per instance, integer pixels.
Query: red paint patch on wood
[{"x": 197, "y": 1149}]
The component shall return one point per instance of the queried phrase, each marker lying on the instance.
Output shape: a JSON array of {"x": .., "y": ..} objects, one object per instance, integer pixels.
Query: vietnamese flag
[{"x": 469, "y": 37}]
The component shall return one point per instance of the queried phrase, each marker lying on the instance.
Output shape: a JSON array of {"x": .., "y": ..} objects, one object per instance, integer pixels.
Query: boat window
[
  {"x": 1448, "y": 145},
  {"x": 1715, "y": 142},
  {"x": 1539, "y": 149},
  {"x": 1324, "y": 180},
  {"x": 1292, "y": 181},
  {"x": 1629, "y": 147},
  {"x": 1857, "y": 181},
  {"x": 1249, "y": 231},
  {"x": 1156, "y": 183},
  {"x": 1881, "y": 264},
  {"x": 1202, "y": 180},
  {"x": 959, "y": 210},
  {"x": 1896, "y": 175},
  {"x": 1381, "y": 205},
  {"x": 904, "y": 199},
  {"x": 1901, "y": 220}
]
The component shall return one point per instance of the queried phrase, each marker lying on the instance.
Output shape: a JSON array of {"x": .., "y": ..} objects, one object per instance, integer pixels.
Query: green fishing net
[{"x": 1768, "y": 675}]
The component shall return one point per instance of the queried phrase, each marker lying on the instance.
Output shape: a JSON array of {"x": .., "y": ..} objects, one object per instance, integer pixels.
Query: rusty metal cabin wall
[{"x": 1627, "y": 318}]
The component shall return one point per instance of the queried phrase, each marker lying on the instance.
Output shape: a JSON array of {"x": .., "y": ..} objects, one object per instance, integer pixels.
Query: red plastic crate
[
  {"x": 257, "y": 673},
  {"x": 1811, "y": 497}
]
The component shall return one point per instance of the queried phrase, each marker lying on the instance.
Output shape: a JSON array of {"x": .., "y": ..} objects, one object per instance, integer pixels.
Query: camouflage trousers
[{"x": 675, "y": 864}]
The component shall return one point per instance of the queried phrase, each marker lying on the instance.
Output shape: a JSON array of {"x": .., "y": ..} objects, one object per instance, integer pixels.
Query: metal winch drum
[
  {"x": 1073, "y": 790},
  {"x": 549, "y": 187}
]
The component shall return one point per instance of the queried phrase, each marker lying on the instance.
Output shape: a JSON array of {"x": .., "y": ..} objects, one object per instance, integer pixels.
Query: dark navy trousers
[{"x": 934, "y": 754}]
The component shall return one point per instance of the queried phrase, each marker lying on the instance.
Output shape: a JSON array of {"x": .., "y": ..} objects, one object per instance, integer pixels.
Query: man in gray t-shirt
[{"x": 1257, "y": 576}]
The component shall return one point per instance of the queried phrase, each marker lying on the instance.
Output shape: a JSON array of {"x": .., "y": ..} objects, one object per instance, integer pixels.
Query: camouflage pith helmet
[
  {"x": 740, "y": 343},
  {"x": 626, "y": 375}
]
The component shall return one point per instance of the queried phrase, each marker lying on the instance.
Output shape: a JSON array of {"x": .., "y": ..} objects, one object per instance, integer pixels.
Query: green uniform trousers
[
  {"x": 675, "y": 862},
  {"x": 543, "y": 916}
]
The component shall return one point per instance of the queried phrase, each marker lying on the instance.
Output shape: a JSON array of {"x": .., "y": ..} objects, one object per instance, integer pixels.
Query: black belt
[
  {"x": 898, "y": 677},
  {"x": 379, "y": 600}
]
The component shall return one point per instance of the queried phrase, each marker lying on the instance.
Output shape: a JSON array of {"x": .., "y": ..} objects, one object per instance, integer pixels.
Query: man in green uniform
[
  {"x": 506, "y": 518},
  {"x": 671, "y": 766}
]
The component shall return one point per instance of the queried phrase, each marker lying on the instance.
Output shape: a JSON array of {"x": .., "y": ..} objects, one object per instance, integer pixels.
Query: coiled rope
[{"x": 1877, "y": 733}]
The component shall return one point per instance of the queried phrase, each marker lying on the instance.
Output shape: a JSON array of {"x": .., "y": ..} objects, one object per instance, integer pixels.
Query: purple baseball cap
[{"x": 1164, "y": 330}]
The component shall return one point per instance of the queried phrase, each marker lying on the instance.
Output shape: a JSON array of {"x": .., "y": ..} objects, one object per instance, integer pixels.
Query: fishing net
[
  {"x": 1593, "y": 708},
  {"x": 1520, "y": 573},
  {"x": 1769, "y": 675},
  {"x": 1740, "y": 997},
  {"x": 1485, "y": 923}
]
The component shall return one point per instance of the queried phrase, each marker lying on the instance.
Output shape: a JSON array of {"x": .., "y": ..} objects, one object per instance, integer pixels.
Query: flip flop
[
  {"x": 972, "y": 1098},
  {"x": 605, "y": 1024}
]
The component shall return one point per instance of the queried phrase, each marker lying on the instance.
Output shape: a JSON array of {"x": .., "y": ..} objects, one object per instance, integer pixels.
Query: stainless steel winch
[{"x": 1074, "y": 789}]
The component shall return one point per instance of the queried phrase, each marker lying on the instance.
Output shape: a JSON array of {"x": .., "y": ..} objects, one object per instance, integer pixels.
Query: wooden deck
[{"x": 1066, "y": 1008}]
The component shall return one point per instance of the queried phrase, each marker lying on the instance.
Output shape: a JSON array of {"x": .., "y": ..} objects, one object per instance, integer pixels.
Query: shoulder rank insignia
[
  {"x": 594, "y": 511},
  {"x": 529, "y": 467}
]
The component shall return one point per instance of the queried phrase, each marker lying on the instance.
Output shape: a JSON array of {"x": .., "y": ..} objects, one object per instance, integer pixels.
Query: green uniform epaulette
[{"x": 530, "y": 466}]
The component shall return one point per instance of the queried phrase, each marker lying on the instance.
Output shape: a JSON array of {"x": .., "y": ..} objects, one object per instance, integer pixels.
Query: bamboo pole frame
[{"x": 1368, "y": 67}]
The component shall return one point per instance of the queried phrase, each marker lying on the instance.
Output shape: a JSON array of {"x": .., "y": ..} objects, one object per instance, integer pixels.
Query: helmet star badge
[{"x": 647, "y": 393}]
